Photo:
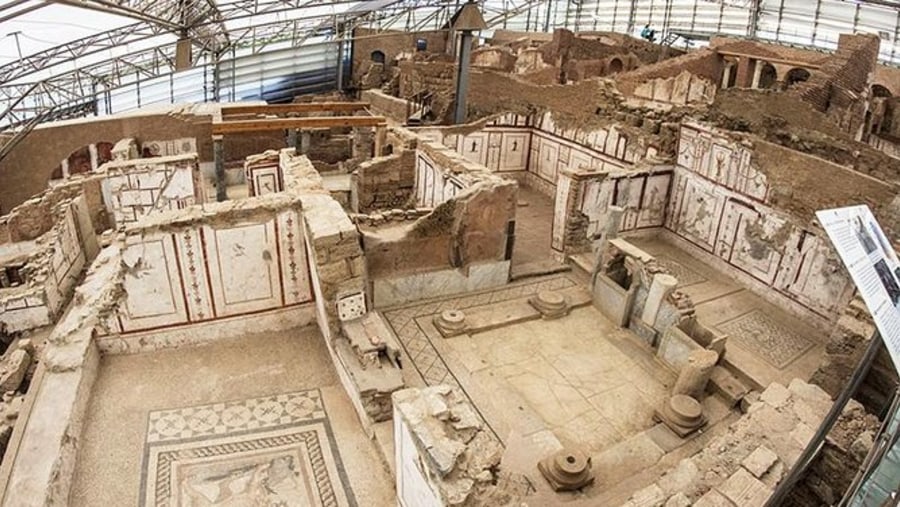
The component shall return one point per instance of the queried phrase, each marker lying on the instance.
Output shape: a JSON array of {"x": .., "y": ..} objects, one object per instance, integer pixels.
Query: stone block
[
  {"x": 775, "y": 395},
  {"x": 675, "y": 347},
  {"x": 745, "y": 490},
  {"x": 678, "y": 500},
  {"x": 727, "y": 386},
  {"x": 644, "y": 331},
  {"x": 760, "y": 461},
  {"x": 680, "y": 477},
  {"x": 14, "y": 368},
  {"x": 713, "y": 498},
  {"x": 652, "y": 495},
  {"x": 614, "y": 301}
]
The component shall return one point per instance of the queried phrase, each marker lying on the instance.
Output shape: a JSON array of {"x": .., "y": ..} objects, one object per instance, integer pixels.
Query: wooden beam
[
  {"x": 310, "y": 122},
  {"x": 305, "y": 107}
]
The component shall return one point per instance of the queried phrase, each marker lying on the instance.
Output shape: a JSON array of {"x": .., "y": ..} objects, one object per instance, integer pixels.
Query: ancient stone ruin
[{"x": 606, "y": 286}]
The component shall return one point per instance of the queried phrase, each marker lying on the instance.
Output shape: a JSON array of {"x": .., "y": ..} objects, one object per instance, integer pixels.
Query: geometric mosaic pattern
[
  {"x": 222, "y": 418},
  {"x": 407, "y": 324},
  {"x": 272, "y": 451},
  {"x": 685, "y": 275},
  {"x": 775, "y": 343}
]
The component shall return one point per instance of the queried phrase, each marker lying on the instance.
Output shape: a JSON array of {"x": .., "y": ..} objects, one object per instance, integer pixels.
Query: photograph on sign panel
[
  {"x": 863, "y": 235},
  {"x": 888, "y": 281}
]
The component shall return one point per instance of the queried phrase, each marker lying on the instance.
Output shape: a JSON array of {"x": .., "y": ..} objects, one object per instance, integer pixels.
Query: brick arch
[
  {"x": 796, "y": 75},
  {"x": 768, "y": 75},
  {"x": 883, "y": 90},
  {"x": 615, "y": 66},
  {"x": 81, "y": 161}
]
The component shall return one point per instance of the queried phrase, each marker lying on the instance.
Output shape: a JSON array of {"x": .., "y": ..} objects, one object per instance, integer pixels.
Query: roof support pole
[{"x": 462, "y": 76}]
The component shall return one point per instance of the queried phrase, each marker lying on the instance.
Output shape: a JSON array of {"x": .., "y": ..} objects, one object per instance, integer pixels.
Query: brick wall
[
  {"x": 392, "y": 44},
  {"x": 841, "y": 86}
]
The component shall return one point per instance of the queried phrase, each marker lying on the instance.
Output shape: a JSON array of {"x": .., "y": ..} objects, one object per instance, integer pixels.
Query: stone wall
[
  {"x": 35, "y": 217},
  {"x": 461, "y": 245},
  {"x": 385, "y": 183},
  {"x": 29, "y": 166},
  {"x": 390, "y": 107},
  {"x": 843, "y": 350},
  {"x": 737, "y": 202},
  {"x": 684, "y": 89},
  {"x": 51, "y": 269},
  {"x": 704, "y": 64},
  {"x": 444, "y": 453},
  {"x": 392, "y": 44}
]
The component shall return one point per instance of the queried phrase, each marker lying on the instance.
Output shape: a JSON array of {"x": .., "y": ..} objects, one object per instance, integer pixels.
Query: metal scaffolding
[{"x": 93, "y": 73}]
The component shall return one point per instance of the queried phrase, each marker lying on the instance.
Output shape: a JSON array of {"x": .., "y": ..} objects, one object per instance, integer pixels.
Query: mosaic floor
[
  {"x": 273, "y": 451},
  {"x": 685, "y": 275},
  {"x": 763, "y": 335},
  {"x": 260, "y": 420}
]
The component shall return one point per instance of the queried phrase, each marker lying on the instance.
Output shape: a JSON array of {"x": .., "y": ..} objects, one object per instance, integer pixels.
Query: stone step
[
  {"x": 539, "y": 268},
  {"x": 582, "y": 263},
  {"x": 728, "y": 386}
]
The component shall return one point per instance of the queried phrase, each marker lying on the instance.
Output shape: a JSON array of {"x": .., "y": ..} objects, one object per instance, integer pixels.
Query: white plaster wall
[
  {"x": 433, "y": 184},
  {"x": 263, "y": 180},
  {"x": 147, "y": 185},
  {"x": 210, "y": 272},
  {"x": 21, "y": 312}
]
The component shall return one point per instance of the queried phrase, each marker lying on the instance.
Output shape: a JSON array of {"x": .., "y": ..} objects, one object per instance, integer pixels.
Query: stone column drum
[{"x": 695, "y": 374}]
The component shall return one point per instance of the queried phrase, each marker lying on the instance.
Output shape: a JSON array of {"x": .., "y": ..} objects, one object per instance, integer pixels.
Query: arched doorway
[
  {"x": 768, "y": 76},
  {"x": 795, "y": 76},
  {"x": 615, "y": 66},
  {"x": 880, "y": 91},
  {"x": 377, "y": 56}
]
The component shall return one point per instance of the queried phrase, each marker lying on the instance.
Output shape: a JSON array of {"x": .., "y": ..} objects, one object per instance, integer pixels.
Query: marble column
[
  {"x": 380, "y": 139},
  {"x": 292, "y": 138},
  {"x": 305, "y": 141},
  {"x": 219, "y": 162},
  {"x": 726, "y": 75},
  {"x": 694, "y": 375},
  {"x": 660, "y": 287},
  {"x": 757, "y": 73}
]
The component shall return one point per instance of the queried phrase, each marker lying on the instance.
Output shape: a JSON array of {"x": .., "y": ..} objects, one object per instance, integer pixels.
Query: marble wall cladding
[
  {"x": 134, "y": 188},
  {"x": 206, "y": 272},
  {"x": 263, "y": 179},
  {"x": 182, "y": 146},
  {"x": 434, "y": 184},
  {"x": 403, "y": 289},
  {"x": 718, "y": 203},
  {"x": 643, "y": 196},
  {"x": 413, "y": 486}
]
